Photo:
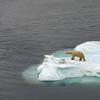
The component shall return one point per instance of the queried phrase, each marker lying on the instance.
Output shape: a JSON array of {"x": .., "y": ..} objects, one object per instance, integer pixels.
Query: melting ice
[{"x": 55, "y": 67}]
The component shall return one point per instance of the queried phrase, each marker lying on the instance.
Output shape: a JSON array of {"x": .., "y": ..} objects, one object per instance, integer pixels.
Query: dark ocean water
[{"x": 31, "y": 28}]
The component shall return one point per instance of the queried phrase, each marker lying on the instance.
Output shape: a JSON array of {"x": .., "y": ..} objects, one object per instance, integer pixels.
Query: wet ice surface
[{"x": 53, "y": 72}]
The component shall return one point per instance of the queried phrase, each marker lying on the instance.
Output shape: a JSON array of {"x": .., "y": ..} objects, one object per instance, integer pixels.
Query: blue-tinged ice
[{"x": 58, "y": 66}]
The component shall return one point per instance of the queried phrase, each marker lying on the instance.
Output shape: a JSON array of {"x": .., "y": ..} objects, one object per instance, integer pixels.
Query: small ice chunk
[{"x": 48, "y": 58}]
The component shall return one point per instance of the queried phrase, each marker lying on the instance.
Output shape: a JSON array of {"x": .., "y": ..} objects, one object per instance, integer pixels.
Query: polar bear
[{"x": 76, "y": 53}]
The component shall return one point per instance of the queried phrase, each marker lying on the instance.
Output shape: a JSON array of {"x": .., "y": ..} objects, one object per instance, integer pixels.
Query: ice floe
[{"x": 58, "y": 68}]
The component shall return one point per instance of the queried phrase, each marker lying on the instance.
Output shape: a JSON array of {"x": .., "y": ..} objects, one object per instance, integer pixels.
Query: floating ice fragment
[{"x": 58, "y": 68}]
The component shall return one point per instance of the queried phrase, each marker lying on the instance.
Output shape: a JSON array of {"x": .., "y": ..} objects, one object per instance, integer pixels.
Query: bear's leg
[
  {"x": 84, "y": 59},
  {"x": 80, "y": 59},
  {"x": 72, "y": 57}
]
